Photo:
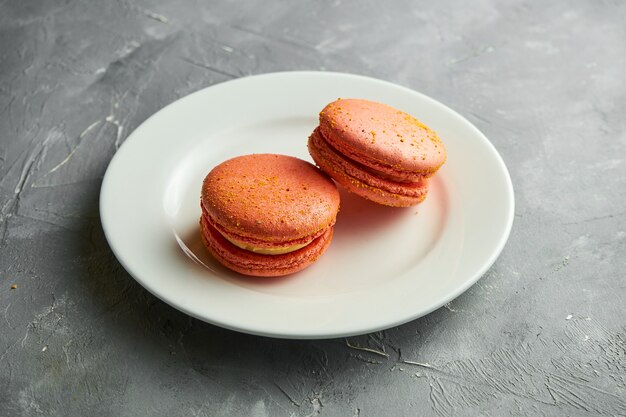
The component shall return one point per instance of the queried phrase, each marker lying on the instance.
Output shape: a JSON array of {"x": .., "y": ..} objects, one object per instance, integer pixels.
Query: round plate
[{"x": 385, "y": 266}]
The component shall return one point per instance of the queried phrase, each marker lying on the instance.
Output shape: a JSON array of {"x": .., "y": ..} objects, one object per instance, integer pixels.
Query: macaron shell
[
  {"x": 382, "y": 137},
  {"x": 249, "y": 263},
  {"x": 319, "y": 148},
  {"x": 269, "y": 197},
  {"x": 261, "y": 244},
  {"x": 360, "y": 181}
]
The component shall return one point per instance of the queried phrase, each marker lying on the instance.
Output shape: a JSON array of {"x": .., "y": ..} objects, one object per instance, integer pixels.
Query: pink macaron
[
  {"x": 267, "y": 214},
  {"x": 376, "y": 151}
]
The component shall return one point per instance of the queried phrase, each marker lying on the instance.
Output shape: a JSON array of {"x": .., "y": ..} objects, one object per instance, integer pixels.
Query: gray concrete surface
[{"x": 543, "y": 332}]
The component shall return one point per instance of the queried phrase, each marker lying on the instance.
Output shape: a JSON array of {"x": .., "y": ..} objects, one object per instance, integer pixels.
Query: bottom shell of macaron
[
  {"x": 358, "y": 180},
  {"x": 260, "y": 265}
]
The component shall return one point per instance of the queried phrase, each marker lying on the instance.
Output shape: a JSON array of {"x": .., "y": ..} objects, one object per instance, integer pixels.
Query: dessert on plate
[
  {"x": 376, "y": 151},
  {"x": 267, "y": 214}
]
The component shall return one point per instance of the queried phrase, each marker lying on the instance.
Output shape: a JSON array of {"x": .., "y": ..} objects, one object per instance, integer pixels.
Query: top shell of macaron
[
  {"x": 376, "y": 135},
  {"x": 268, "y": 196}
]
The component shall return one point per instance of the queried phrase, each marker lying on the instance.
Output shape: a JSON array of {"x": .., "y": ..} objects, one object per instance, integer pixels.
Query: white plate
[{"x": 384, "y": 267}]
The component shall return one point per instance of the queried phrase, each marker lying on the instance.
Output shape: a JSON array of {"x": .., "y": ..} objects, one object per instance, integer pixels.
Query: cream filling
[{"x": 266, "y": 251}]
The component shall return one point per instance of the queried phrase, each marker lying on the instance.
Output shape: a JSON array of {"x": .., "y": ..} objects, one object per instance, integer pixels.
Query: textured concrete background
[{"x": 544, "y": 331}]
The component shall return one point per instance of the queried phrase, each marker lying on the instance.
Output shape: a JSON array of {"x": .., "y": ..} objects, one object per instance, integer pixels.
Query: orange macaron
[
  {"x": 376, "y": 151},
  {"x": 267, "y": 214}
]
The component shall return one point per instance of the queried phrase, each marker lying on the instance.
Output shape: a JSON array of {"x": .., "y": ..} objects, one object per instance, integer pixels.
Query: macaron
[
  {"x": 376, "y": 151},
  {"x": 267, "y": 214}
]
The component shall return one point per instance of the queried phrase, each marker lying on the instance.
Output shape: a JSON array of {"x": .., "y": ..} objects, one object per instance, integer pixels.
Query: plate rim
[{"x": 468, "y": 282}]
